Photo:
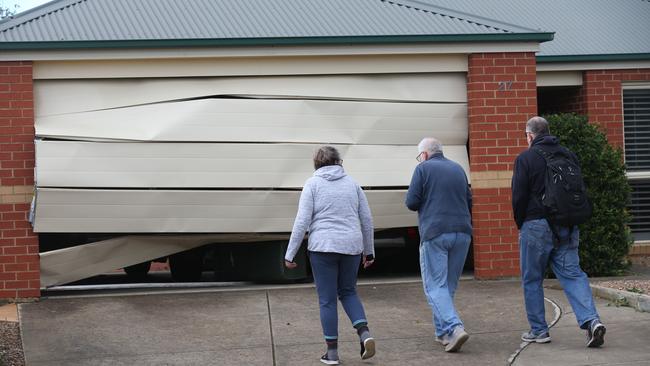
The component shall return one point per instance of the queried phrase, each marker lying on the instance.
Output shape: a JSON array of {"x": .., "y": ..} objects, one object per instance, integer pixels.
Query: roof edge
[
  {"x": 473, "y": 18},
  {"x": 35, "y": 13},
  {"x": 277, "y": 41},
  {"x": 594, "y": 57}
]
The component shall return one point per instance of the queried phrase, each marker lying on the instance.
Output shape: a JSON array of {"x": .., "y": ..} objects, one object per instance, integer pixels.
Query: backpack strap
[{"x": 547, "y": 155}]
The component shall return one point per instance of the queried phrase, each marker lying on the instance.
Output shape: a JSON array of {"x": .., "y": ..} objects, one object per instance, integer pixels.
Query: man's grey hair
[
  {"x": 537, "y": 126},
  {"x": 430, "y": 145}
]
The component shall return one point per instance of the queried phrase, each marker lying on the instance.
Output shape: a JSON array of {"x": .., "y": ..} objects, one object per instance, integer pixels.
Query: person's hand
[
  {"x": 290, "y": 265},
  {"x": 367, "y": 263}
]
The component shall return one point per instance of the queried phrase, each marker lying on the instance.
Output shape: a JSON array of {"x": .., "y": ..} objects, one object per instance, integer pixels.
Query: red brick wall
[
  {"x": 19, "y": 261},
  {"x": 502, "y": 96},
  {"x": 601, "y": 99}
]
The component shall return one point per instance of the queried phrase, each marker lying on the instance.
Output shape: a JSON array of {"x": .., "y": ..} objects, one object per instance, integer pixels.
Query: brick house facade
[
  {"x": 502, "y": 95},
  {"x": 19, "y": 261},
  {"x": 501, "y": 90},
  {"x": 601, "y": 99}
]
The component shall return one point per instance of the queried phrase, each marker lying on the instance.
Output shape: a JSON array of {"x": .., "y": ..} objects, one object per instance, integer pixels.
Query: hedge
[{"x": 605, "y": 239}]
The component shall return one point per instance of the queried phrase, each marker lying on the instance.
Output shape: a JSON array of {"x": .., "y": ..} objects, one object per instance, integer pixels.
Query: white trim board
[
  {"x": 242, "y": 66},
  {"x": 322, "y": 50},
  {"x": 559, "y": 78},
  {"x": 596, "y": 65}
]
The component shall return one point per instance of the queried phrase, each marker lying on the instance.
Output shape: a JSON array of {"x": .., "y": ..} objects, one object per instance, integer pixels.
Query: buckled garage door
[
  {"x": 222, "y": 155},
  {"x": 230, "y": 154}
]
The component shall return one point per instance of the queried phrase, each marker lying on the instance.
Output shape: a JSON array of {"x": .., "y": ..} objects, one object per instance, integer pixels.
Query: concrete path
[
  {"x": 627, "y": 341},
  {"x": 281, "y": 327}
]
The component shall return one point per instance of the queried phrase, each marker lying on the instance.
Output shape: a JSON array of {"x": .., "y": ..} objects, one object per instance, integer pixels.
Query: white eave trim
[
  {"x": 609, "y": 65},
  {"x": 171, "y": 53},
  {"x": 559, "y": 78},
  {"x": 251, "y": 66}
]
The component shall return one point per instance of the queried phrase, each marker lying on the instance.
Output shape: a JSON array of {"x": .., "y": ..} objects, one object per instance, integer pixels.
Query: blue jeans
[
  {"x": 441, "y": 263},
  {"x": 336, "y": 275},
  {"x": 536, "y": 251}
]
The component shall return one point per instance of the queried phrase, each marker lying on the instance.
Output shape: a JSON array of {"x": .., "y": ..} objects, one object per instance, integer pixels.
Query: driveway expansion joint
[{"x": 557, "y": 310}]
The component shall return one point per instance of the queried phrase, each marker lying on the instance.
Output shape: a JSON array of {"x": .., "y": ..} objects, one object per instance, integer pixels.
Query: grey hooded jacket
[{"x": 334, "y": 209}]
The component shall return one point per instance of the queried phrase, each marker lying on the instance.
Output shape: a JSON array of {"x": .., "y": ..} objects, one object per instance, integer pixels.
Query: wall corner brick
[
  {"x": 19, "y": 261},
  {"x": 502, "y": 96}
]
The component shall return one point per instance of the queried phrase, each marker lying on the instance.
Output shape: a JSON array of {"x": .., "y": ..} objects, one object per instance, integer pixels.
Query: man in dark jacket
[
  {"x": 440, "y": 194},
  {"x": 537, "y": 245}
]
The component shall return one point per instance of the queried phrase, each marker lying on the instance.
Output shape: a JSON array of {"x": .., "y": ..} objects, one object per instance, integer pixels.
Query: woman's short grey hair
[
  {"x": 430, "y": 145},
  {"x": 537, "y": 126},
  {"x": 326, "y": 155}
]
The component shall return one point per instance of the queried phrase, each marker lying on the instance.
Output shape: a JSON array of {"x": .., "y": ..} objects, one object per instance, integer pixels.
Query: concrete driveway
[{"x": 280, "y": 326}]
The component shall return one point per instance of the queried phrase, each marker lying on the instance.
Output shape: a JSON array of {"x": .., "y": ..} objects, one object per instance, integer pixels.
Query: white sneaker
[
  {"x": 367, "y": 348},
  {"x": 444, "y": 340},
  {"x": 456, "y": 339}
]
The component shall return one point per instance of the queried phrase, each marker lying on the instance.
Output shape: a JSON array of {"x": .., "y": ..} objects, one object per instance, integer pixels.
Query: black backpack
[{"x": 565, "y": 196}]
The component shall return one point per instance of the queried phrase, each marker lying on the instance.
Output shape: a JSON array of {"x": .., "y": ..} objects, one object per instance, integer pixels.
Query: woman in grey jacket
[{"x": 334, "y": 210}]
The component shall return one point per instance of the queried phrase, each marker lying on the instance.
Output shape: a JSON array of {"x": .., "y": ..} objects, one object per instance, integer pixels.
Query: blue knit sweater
[{"x": 439, "y": 192}]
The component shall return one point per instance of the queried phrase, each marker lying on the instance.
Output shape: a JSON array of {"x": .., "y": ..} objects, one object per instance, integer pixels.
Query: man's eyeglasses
[{"x": 419, "y": 157}]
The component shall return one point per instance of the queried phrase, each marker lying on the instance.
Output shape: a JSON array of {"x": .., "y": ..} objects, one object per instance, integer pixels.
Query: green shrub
[{"x": 605, "y": 239}]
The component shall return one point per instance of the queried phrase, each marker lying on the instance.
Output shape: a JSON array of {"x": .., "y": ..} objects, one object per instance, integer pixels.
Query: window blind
[{"x": 636, "y": 112}]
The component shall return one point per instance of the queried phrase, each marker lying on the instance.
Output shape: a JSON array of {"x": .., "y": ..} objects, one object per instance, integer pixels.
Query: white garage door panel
[
  {"x": 70, "y": 96},
  {"x": 245, "y": 120},
  {"x": 129, "y": 211},
  {"x": 78, "y": 262},
  {"x": 204, "y": 165},
  {"x": 83, "y": 261}
]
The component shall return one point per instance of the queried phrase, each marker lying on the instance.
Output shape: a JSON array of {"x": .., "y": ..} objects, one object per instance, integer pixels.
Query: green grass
[
  {"x": 621, "y": 301},
  {"x": 635, "y": 290}
]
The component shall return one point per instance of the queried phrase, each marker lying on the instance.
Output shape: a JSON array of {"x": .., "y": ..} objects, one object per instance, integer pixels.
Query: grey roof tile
[
  {"x": 582, "y": 27},
  {"x": 120, "y": 20}
]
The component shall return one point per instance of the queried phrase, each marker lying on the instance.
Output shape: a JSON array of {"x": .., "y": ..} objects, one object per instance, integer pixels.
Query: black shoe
[
  {"x": 367, "y": 348},
  {"x": 327, "y": 361},
  {"x": 595, "y": 334}
]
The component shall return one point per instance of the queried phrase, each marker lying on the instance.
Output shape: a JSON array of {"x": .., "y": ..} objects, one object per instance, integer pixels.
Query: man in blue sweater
[{"x": 440, "y": 193}]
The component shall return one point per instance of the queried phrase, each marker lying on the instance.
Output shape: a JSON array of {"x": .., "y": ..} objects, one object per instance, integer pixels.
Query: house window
[
  {"x": 640, "y": 209},
  {"x": 636, "y": 122}
]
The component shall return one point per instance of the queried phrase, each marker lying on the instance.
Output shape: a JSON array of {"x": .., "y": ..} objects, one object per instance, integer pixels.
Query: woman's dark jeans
[{"x": 336, "y": 276}]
